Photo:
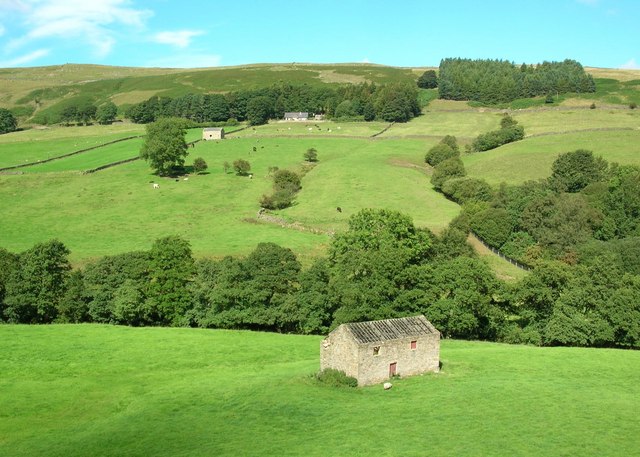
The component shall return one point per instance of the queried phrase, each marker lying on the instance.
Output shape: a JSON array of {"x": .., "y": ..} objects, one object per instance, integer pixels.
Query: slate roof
[
  {"x": 212, "y": 129},
  {"x": 296, "y": 115},
  {"x": 390, "y": 329}
]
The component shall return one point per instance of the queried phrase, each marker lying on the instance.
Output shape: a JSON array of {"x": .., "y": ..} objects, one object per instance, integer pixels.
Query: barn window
[
  {"x": 376, "y": 350},
  {"x": 414, "y": 344}
]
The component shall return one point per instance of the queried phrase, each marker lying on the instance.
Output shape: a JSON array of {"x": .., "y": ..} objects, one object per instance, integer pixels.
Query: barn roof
[
  {"x": 212, "y": 129},
  {"x": 390, "y": 329},
  {"x": 297, "y": 115}
]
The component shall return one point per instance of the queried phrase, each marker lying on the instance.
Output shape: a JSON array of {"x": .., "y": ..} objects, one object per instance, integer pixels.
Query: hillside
[
  {"x": 33, "y": 92},
  {"x": 72, "y": 390}
]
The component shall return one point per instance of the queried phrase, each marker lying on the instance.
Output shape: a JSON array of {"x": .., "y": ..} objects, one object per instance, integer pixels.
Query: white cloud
[
  {"x": 24, "y": 59},
  {"x": 631, "y": 64},
  {"x": 92, "y": 21},
  {"x": 365, "y": 60},
  {"x": 186, "y": 61},
  {"x": 180, "y": 38}
]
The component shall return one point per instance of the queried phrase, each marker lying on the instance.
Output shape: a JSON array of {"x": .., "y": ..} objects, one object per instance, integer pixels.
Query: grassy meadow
[{"x": 70, "y": 390}]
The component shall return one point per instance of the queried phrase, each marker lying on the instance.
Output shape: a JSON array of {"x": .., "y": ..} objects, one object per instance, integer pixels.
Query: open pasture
[
  {"x": 313, "y": 129},
  {"x": 532, "y": 158},
  {"x": 76, "y": 390},
  {"x": 463, "y": 125},
  {"x": 30, "y": 146},
  {"x": 117, "y": 210},
  {"x": 538, "y": 122}
]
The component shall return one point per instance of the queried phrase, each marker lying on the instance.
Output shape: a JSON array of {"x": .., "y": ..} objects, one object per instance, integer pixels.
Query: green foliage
[
  {"x": 439, "y": 153},
  {"x": 518, "y": 245},
  {"x": 171, "y": 268},
  {"x": 465, "y": 288},
  {"x": 241, "y": 167},
  {"x": 496, "y": 138},
  {"x": 573, "y": 171},
  {"x": 561, "y": 222},
  {"x": 446, "y": 170},
  {"x": 493, "y": 225},
  {"x": 103, "y": 280},
  {"x": 461, "y": 190},
  {"x": 311, "y": 155},
  {"x": 286, "y": 185},
  {"x": 36, "y": 286},
  {"x": 496, "y": 81},
  {"x": 428, "y": 80},
  {"x": 368, "y": 262},
  {"x": 199, "y": 165},
  {"x": 335, "y": 378},
  {"x": 251, "y": 293},
  {"x": 106, "y": 113},
  {"x": 259, "y": 110},
  {"x": 8, "y": 122},
  {"x": 164, "y": 146}
]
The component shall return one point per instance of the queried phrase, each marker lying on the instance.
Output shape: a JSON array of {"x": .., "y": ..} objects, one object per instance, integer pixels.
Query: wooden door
[{"x": 392, "y": 369}]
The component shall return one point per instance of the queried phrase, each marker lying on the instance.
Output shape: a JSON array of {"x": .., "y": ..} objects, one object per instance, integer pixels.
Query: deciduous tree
[{"x": 164, "y": 146}]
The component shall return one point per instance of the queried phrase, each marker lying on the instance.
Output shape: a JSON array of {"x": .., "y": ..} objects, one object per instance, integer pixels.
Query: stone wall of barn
[
  {"x": 374, "y": 365},
  {"x": 340, "y": 352}
]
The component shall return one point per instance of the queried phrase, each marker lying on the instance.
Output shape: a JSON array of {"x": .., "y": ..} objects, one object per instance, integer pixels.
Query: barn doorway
[{"x": 392, "y": 369}]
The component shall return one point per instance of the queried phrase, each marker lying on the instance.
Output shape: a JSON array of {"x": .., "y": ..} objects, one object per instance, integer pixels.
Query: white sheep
[{"x": 156, "y": 185}]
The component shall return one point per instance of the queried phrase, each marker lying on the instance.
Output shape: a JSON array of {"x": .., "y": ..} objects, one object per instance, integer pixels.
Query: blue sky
[{"x": 171, "y": 33}]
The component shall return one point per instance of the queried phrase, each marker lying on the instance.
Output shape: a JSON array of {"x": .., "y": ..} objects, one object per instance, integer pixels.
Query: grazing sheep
[
  {"x": 387, "y": 385},
  {"x": 186, "y": 179},
  {"x": 156, "y": 185}
]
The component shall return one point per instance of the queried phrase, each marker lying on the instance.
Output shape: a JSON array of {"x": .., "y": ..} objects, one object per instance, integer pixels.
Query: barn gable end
[
  {"x": 373, "y": 351},
  {"x": 212, "y": 133}
]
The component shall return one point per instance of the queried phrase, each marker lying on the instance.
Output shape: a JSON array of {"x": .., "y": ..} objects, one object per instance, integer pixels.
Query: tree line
[
  {"x": 395, "y": 102},
  {"x": 382, "y": 266},
  {"x": 498, "y": 81},
  {"x": 579, "y": 230}
]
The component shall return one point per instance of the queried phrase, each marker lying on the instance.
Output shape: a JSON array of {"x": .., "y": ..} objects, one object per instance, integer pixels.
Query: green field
[
  {"x": 532, "y": 158},
  {"x": 116, "y": 210},
  {"x": 77, "y": 390}
]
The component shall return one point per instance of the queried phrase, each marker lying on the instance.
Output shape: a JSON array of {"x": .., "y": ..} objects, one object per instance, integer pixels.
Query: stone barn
[
  {"x": 212, "y": 133},
  {"x": 296, "y": 116},
  {"x": 375, "y": 351}
]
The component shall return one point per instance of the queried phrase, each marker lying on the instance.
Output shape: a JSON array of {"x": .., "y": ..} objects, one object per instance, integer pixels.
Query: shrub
[
  {"x": 241, "y": 166},
  {"x": 462, "y": 190},
  {"x": 507, "y": 121},
  {"x": 633, "y": 105},
  {"x": 286, "y": 179},
  {"x": 495, "y": 138},
  {"x": 199, "y": 165},
  {"x": 336, "y": 378},
  {"x": 451, "y": 141},
  {"x": 439, "y": 153},
  {"x": 447, "y": 169},
  {"x": 592, "y": 106}
]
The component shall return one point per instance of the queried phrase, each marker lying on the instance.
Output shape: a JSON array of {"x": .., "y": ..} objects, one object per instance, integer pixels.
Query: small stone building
[
  {"x": 374, "y": 351},
  {"x": 296, "y": 116},
  {"x": 212, "y": 133}
]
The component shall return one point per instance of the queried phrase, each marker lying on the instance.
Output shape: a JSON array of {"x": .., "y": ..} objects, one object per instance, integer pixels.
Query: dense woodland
[
  {"x": 585, "y": 292},
  {"x": 497, "y": 81},
  {"x": 391, "y": 102}
]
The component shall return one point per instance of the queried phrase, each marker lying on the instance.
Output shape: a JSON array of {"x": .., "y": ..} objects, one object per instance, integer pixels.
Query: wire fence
[{"x": 513, "y": 262}]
